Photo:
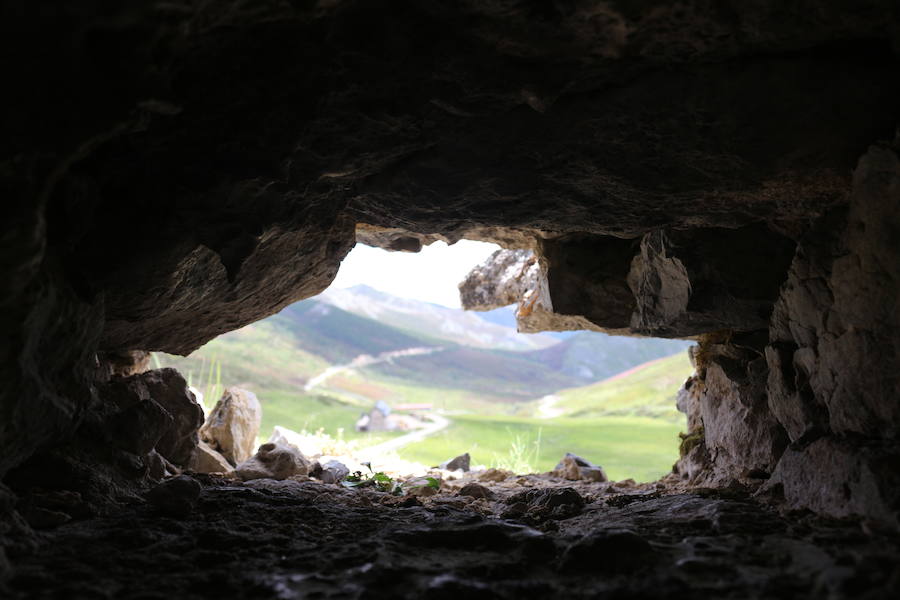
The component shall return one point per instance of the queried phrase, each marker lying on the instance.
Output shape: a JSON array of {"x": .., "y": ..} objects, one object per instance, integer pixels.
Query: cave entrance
[{"x": 386, "y": 367}]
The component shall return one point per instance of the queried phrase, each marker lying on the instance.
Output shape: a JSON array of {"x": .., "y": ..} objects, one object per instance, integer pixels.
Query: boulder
[
  {"x": 153, "y": 409},
  {"x": 333, "y": 471},
  {"x": 207, "y": 460},
  {"x": 233, "y": 425},
  {"x": 169, "y": 389},
  {"x": 274, "y": 461},
  {"x": 138, "y": 428}
]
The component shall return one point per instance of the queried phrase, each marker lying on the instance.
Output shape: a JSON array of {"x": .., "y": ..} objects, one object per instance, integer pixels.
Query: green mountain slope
[
  {"x": 647, "y": 390},
  {"x": 503, "y": 375},
  {"x": 432, "y": 320},
  {"x": 591, "y": 356},
  {"x": 277, "y": 358},
  {"x": 637, "y": 447},
  {"x": 339, "y": 336}
]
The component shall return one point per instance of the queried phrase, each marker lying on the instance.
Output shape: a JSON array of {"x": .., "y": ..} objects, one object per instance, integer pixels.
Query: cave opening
[
  {"x": 174, "y": 171},
  {"x": 387, "y": 368}
]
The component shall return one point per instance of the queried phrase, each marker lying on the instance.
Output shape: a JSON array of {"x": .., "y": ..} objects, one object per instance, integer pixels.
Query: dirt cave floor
[{"x": 533, "y": 537}]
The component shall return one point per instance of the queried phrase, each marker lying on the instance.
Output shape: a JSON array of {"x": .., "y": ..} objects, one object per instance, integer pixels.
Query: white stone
[
  {"x": 206, "y": 460},
  {"x": 233, "y": 425},
  {"x": 274, "y": 461}
]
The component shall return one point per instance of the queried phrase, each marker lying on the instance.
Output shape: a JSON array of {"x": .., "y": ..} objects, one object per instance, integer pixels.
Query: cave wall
[
  {"x": 809, "y": 413},
  {"x": 177, "y": 170}
]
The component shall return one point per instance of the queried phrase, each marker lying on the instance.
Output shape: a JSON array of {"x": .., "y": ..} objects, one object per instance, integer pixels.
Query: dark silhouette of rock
[
  {"x": 458, "y": 463},
  {"x": 175, "y": 497}
]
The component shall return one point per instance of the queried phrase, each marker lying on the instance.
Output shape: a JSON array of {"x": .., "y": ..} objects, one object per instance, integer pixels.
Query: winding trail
[{"x": 365, "y": 360}]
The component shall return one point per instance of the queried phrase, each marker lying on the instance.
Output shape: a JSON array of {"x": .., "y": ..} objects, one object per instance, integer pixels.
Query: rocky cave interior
[{"x": 727, "y": 172}]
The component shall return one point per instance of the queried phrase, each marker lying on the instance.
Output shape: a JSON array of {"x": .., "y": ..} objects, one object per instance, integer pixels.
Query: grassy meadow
[{"x": 637, "y": 447}]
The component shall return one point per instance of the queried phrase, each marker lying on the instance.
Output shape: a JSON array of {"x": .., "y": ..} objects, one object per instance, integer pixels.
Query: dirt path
[
  {"x": 438, "y": 423},
  {"x": 365, "y": 360}
]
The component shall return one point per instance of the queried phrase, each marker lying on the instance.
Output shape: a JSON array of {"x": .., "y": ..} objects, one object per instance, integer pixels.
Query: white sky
[{"x": 430, "y": 275}]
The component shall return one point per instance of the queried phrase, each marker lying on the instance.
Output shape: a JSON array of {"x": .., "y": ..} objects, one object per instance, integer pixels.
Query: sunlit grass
[{"x": 637, "y": 447}]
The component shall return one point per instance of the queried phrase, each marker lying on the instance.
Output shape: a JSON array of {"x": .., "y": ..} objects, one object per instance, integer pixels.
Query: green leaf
[
  {"x": 434, "y": 483},
  {"x": 381, "y": 477}
]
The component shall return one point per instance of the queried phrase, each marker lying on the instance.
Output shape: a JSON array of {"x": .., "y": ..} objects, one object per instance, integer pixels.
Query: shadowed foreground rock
[{"x": 302, "y": 540}]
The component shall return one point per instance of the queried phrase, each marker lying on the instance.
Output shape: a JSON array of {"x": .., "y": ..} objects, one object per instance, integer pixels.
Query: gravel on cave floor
[{"x": 291, "y": 539}]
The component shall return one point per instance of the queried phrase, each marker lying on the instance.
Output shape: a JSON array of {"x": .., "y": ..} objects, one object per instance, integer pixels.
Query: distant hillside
[
  {"x": 506, "y": 317},
  {"x": 592, "y": 356},
  {"x": 339, "y": 336},
  {"x": 646, "y": 391},
  {"x": 432, "y": 320},
  {"x": 277, "y": 356},
  {"x": 508, "y": 376}
]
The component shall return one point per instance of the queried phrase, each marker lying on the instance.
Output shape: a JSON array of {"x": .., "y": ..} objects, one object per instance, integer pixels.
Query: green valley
[{"x": 318, "y": 366}]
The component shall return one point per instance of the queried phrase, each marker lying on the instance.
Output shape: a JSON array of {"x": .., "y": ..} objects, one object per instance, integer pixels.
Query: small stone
[
  {"x": 333, "y": 472},
  {"x": 274, "y": 461},
  {"x": 207, "y": 460},
  {"x": 460, "y": 463},
  {"x": 578, "y": 460},
  {"x": 593, "y": 474},
  {"x": 495, "y": 475},
  {"x": 573, "y": 468},
  {"x": 175, "y": 497},
  {"x": 476, "y": 490}
]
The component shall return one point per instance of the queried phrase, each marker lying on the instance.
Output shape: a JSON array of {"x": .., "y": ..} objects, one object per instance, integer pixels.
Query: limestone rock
[
  {"x": 207, "y": 460},
  {"x": 459, "y": 463},
  {"x": 138, "y": 428},
  {"x": 333, "y": 471},
  {"x": 274, "y": 461},
  {"x": 233, "y": 425},
  {"x": 175, "y": 497},
  {"x": 151, "y": 410},
  {"x": 849, "y": 479},
  {"x": 516, "y": 277},
  {"x": 168, "y": 388}
]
